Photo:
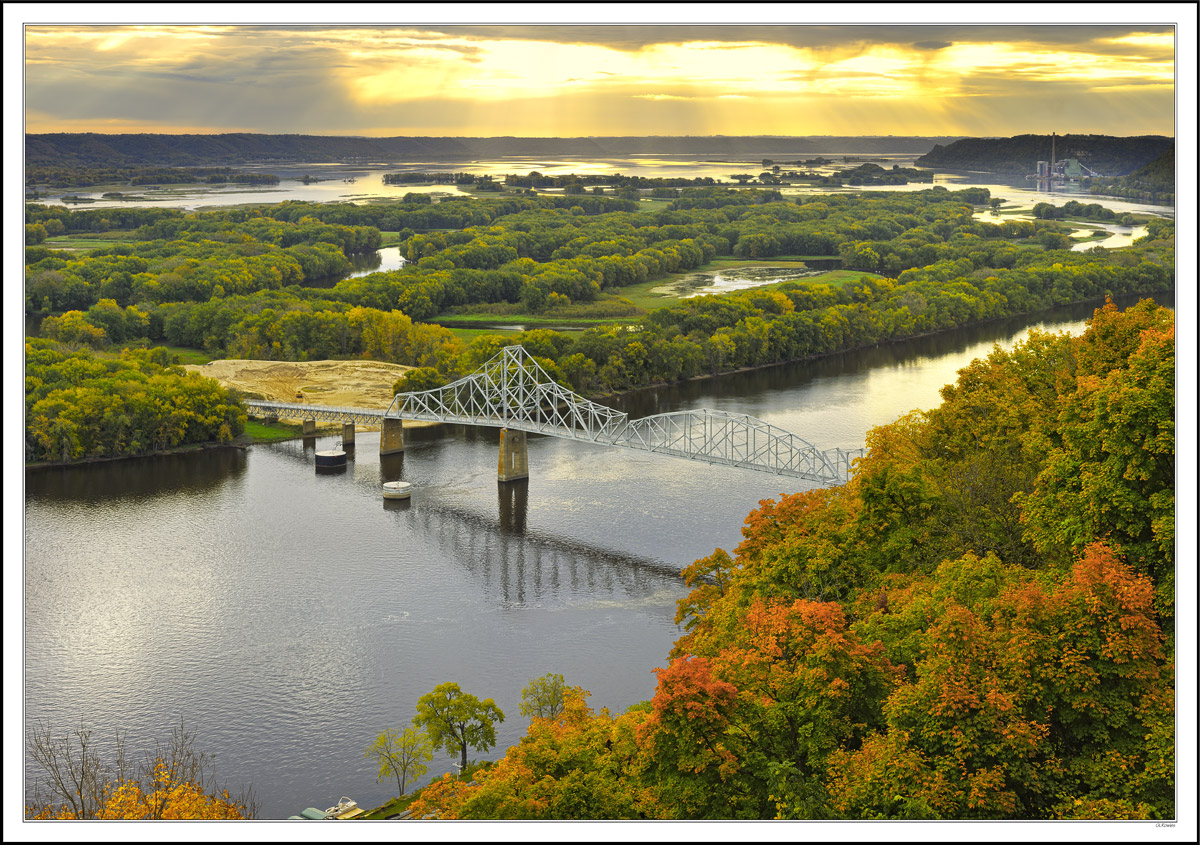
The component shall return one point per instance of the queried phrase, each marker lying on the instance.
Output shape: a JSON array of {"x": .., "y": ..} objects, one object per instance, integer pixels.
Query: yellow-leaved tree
[{"x": 174, "y": 781}]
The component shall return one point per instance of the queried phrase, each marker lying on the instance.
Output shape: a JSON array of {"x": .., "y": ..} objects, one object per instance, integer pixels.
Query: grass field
[
  {"x": 89, "y": 240},
  {"x": 264, "y": 432},
  {"x": 187, "y": 356}
]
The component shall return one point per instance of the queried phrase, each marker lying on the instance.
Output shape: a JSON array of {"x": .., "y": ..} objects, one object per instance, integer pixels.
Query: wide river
[
  {"x": 364, "y": 183},
  {"x": 287, "y": 617}
]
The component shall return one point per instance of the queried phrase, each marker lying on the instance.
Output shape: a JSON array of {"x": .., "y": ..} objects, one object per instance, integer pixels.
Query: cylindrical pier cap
[{"x": 331, "y": 458}]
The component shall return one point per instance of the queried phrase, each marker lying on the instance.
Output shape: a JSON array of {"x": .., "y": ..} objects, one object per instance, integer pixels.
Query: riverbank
[
  {"x": 1098, "y": 301},
  {"x": 177, "y": 450}
]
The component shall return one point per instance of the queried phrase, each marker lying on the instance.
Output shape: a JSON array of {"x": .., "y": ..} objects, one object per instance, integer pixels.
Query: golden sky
[{"x": 578, "y": 80}]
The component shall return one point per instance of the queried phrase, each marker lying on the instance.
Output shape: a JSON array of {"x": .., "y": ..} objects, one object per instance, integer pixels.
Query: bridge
[{"x": 514, "y": 393}]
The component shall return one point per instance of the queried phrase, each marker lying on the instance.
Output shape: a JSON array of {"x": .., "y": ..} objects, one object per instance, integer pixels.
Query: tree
[
  {"x": 74, "y": 769},
  {"x": 578, "y": 766},
  {"x": 401, "y": 755},
  {"x": 420, "y": 378},
  {"x": 173, "y": 781},
  {"x": 543, "y": 698},
  {"x": 455, "y": 720},
  {"x": 35, "y": 233}
]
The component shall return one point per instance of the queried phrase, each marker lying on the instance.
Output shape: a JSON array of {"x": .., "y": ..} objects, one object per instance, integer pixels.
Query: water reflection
[
  {"x": 514, "y": 503},
  {"x": 522, "y": 568},
  {"x": 137, "y": 478},
  {"x": 378, "y": 261},
  {"x": 740, "y": 278},
  {"x": 391, "y": 468}
]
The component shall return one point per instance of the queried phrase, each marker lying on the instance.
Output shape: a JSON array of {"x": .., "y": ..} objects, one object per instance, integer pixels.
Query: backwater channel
[{"x": 288, "y": 617}]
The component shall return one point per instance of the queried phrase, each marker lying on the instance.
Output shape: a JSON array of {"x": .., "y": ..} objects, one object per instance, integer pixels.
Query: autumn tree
[
  {"x": 1112, "y": 476},
  {"x": 580, "y": 765},
  {"x": 174, "y": 780},
  {"x": 168, "y": 796},
  {"x": 456, "y": 720},
  {"x": 401, "y": 755}
]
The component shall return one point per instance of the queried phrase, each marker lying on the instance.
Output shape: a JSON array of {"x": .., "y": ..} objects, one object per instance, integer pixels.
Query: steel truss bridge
[{"x": 513, "y": 391}]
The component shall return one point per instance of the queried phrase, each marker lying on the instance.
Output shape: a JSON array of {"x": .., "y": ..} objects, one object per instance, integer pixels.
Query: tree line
[
  {"x": 69, "y": 176},
  {"x": 81, "y": 405}
]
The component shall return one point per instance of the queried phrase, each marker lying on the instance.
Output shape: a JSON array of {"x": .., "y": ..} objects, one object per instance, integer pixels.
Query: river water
[
  {"x": 368, "y": 184},
  {"x": 288, "y": 617}
]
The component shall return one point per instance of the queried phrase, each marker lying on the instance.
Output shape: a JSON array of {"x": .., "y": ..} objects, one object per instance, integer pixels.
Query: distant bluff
[
  {"x": 1019, "y": 155},
  {"x": 97, "y": 150}
]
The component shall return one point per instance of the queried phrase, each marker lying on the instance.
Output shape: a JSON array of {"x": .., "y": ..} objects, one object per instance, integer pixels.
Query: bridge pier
[
  {"x": 514, "y": 456},
  {"x": 391, "y": 436},
  {"x": 310, "y": 428},
  {"x": 347, "y": 435}
]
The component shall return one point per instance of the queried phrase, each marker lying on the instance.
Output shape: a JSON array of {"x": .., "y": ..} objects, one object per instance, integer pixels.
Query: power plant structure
[{"x": 1054, "y": 172}]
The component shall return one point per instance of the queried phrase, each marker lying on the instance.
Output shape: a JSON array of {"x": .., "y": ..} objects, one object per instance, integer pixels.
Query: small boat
[
  {"x": 346, "y": 808},
  {"x": 396, "y": 489}
]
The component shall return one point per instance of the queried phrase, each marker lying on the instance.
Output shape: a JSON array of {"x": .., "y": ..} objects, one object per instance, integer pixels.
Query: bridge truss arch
[{"x": 513, "y": 391}]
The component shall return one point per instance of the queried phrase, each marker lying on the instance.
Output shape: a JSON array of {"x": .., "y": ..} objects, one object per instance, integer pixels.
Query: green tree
[
  {"x": 543, "y": 698},
  {"x": 420, "y": 378},
  {"x": 401, "y": 755},
  {"x": 456, "y": 720},
  {"x": 35, "y": 233}
]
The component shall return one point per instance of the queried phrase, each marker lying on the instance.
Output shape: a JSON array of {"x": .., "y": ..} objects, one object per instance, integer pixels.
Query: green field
[
  {"x": 89, "y": 241},
  {"x": 264, "y": 432},
  {"x": 187, "y": 356}
]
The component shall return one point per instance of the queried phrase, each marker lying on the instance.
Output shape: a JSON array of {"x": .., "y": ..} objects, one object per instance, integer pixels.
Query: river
[
  {"x": 359, "y": 184},
  {"x": 288, "y": 617}
]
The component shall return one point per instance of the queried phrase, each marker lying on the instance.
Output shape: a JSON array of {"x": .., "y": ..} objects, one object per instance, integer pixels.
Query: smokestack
[{"x": 1052, "y": 140}]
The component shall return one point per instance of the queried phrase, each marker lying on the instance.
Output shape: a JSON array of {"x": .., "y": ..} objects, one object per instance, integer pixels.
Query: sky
[{"x": 568, "y": 80}]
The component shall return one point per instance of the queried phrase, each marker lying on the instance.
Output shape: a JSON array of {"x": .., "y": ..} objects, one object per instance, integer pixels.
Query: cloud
[
  {"x": 582, "y": 80},
  {"x": 823, "y": 37}
]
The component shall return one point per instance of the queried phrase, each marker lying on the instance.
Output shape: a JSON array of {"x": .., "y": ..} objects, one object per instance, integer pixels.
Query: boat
[
  {"x": 346, "y": 808},
  {"x": 396, "y": 489}
]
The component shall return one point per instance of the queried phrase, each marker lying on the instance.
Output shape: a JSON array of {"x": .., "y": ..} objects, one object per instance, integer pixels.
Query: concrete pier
[
  {"x": 310, "y": 428},
  {"x": 347, "y": 435},
  {"x": 514, "y": 456},
  {"x": 391, "y": 436}
]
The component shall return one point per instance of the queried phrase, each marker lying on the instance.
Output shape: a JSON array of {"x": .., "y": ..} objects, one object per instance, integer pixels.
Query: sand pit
[{"x": 338, "y": 384}]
